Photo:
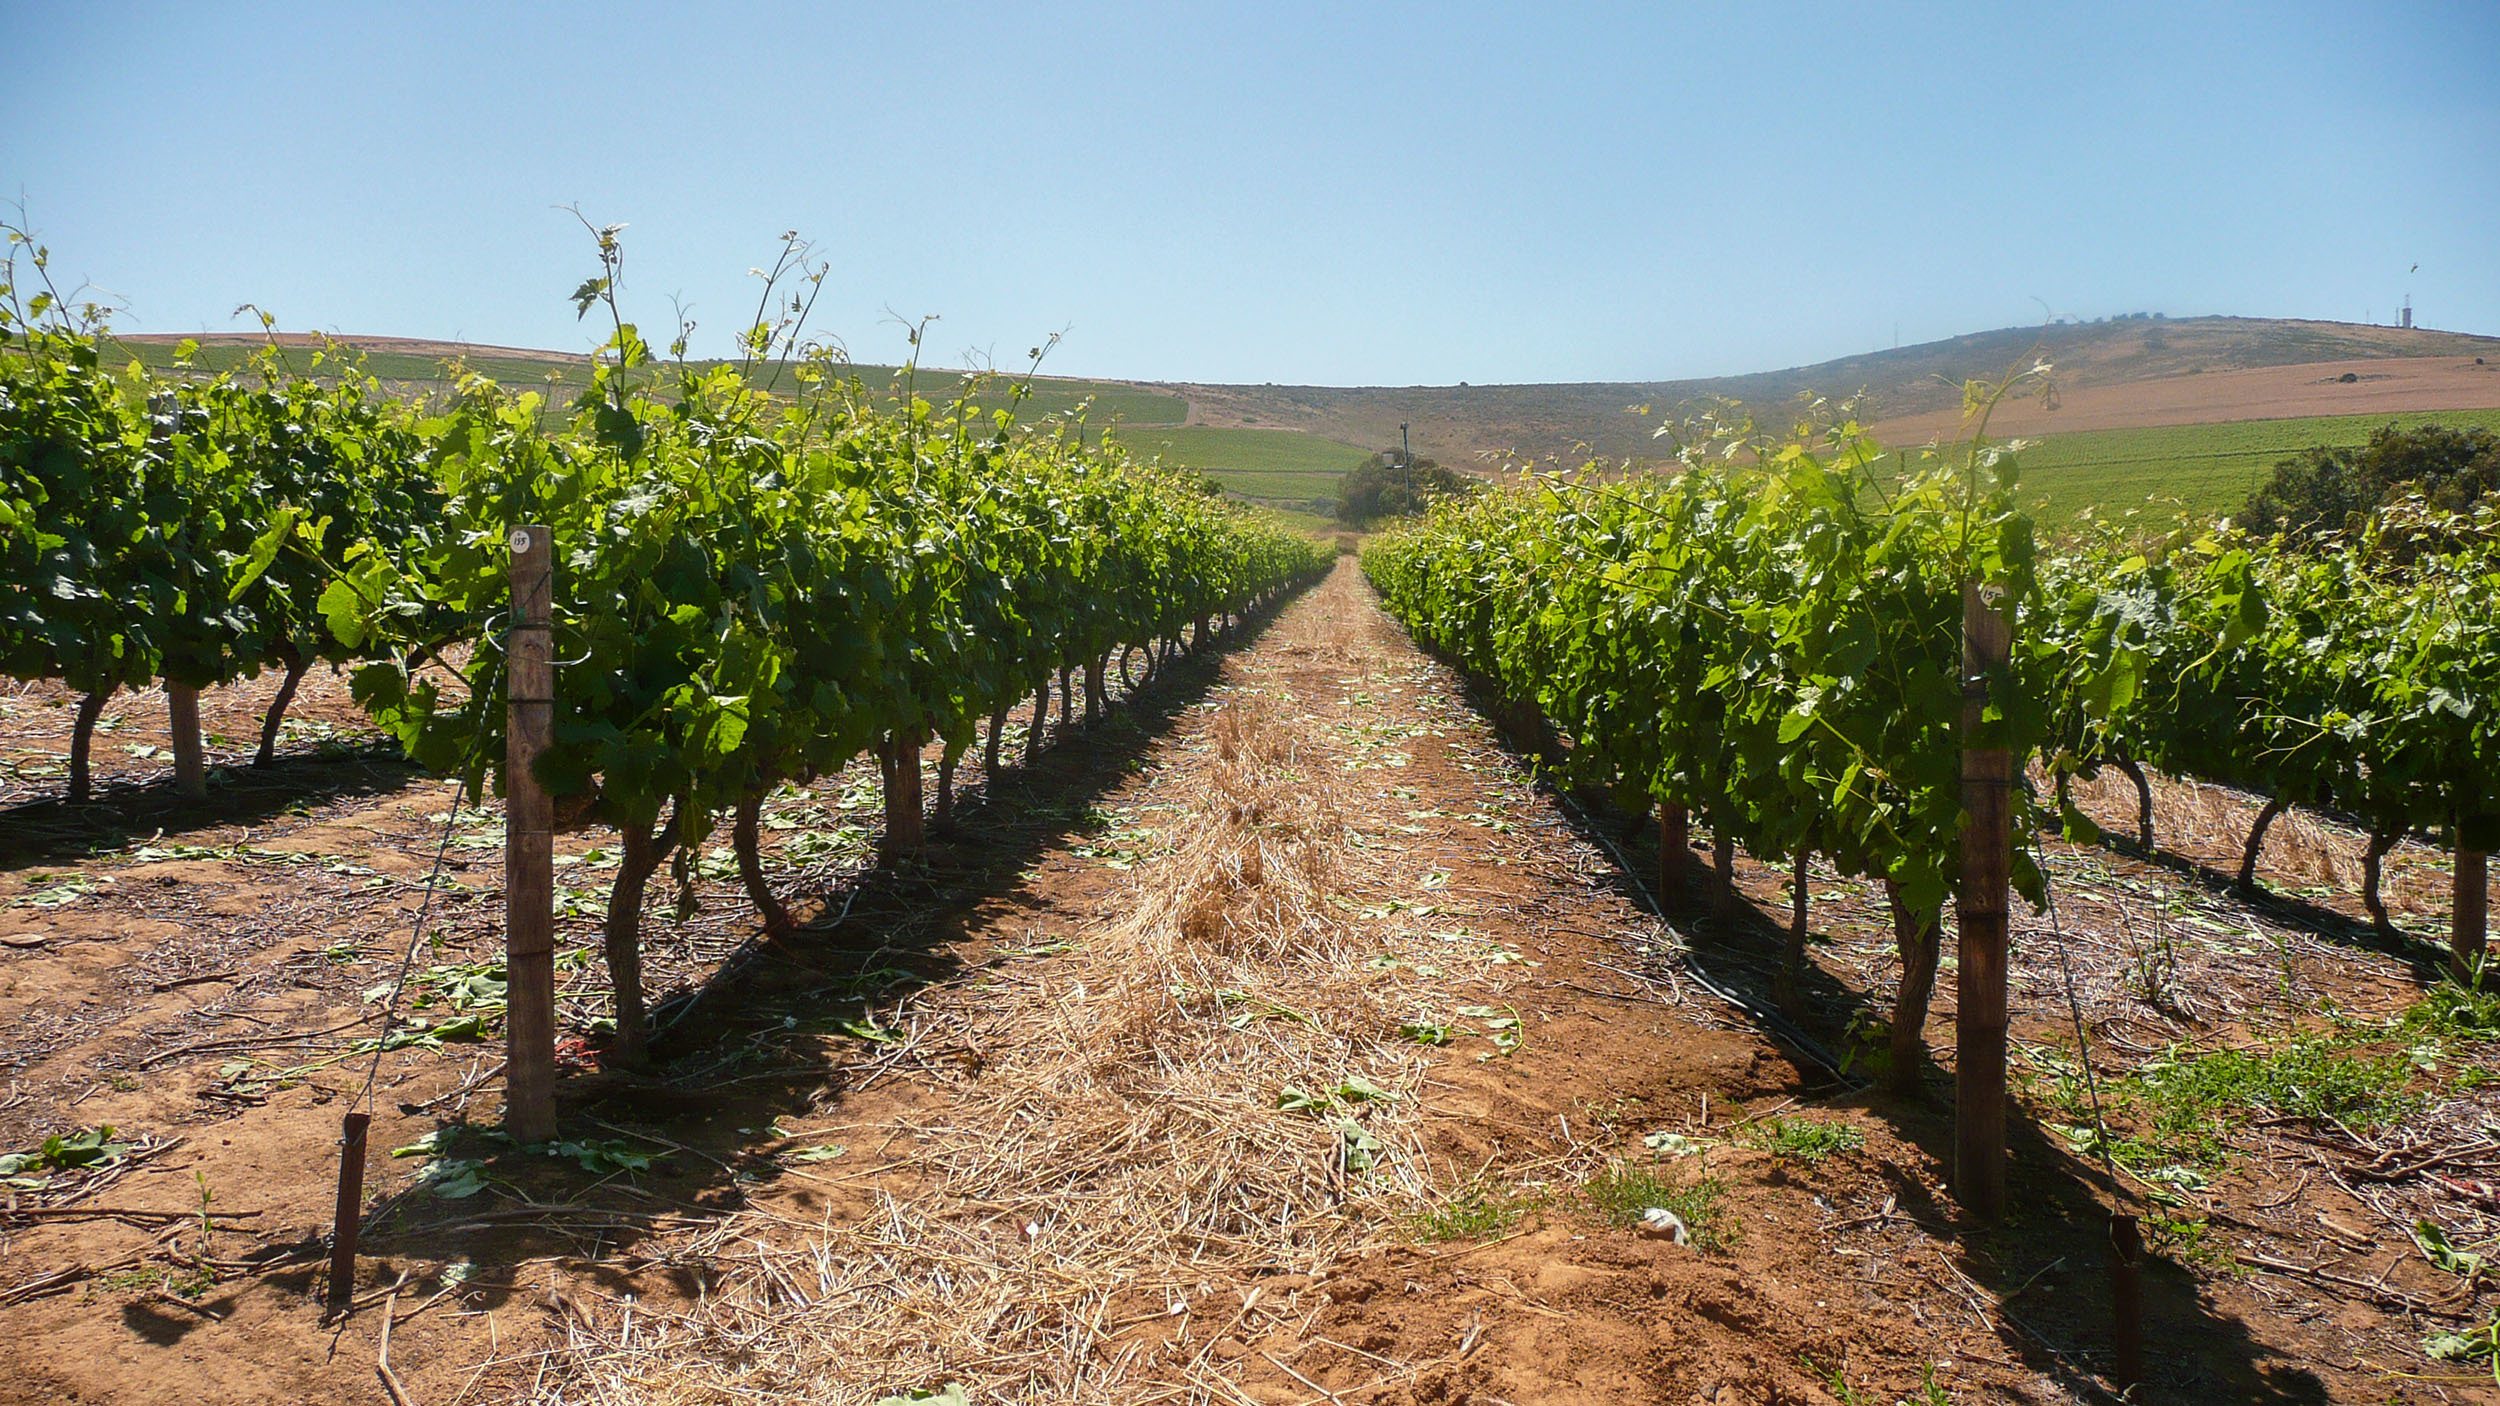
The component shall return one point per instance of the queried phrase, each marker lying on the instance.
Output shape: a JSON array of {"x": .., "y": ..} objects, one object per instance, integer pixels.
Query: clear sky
[{"x": 1335, "y": 193}]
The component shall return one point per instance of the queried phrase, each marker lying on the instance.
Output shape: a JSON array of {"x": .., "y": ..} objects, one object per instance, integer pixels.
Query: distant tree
[
  {"x": 2334, "y": 489},
  {"x": 1388, "y": 484}
]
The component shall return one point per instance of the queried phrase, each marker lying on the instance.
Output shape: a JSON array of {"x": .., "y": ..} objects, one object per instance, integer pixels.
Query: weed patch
[
  {"x": 1623, "y": 1192},
  {"x": 1474, "y": 1211},
  {"x": 1807, "y": 1140}
]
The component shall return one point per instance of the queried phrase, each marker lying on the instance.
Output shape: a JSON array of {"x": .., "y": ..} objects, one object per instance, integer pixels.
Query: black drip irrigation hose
[{"x": 1771, "y": 1019}]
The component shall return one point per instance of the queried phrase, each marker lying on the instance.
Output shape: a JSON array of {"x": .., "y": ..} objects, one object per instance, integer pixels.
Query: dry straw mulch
[{"x": 1088, "y": 1201}]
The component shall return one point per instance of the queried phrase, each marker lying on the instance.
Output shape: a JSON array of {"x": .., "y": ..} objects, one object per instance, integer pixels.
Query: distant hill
[
  {"x": 1287, "y": 445},
  {"x": 419, "y": 363},
  {"x": 1909, "y": 389}
]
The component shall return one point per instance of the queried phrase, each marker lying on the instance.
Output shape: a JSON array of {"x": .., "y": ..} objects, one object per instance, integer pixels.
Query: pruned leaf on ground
[
  {"x": 458, "y": 1029},
  {"x": 1671, "y": 1144},
  {"x": 2433, "y": 1242},
  {"x": 54, "y": 890},
  {"x": 86, "y": 1149},
  {"x": 1359, "y": 1149},
  {"x": 604, "y": 1158},
  {"x": 951, "y": 1394}
]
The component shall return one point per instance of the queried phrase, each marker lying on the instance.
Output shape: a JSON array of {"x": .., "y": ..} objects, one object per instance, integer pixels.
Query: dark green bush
[{"x": 2334, "y": 489}]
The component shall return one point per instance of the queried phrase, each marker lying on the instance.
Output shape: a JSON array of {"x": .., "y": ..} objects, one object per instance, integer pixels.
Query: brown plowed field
[{"x": 2266, "y": 393}]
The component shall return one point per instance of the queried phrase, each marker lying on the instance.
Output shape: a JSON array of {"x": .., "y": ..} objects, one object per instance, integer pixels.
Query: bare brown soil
[
  {"x": 2379, "y": 387},
  {"x": 873, "y": 1169}
]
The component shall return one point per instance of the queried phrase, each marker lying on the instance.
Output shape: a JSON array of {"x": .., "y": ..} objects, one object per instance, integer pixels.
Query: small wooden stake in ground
[
  {"x": 2470, "y": 914},
  {"x": 2126, "y": 1302},
  {"x": 529, "y": 845},
  {"x": 351, "y": 1209},
  {"x": 1987, "y": 853},
  {"x": 182, "y": 715}
]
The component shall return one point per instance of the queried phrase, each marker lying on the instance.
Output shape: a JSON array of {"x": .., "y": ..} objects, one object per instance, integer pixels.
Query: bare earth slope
[
  {"x": 1570, "y": 423},
  {"x": 2368, "y": 387}
]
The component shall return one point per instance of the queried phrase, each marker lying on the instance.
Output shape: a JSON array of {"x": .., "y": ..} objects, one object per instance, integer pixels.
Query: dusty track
[{"x": 1014, "y": 1121}]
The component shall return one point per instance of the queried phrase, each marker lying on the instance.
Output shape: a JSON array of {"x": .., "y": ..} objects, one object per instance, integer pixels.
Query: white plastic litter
[{"x": 1659, "y": 1223}]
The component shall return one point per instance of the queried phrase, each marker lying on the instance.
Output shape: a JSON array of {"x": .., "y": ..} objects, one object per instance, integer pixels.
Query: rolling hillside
[
  {"x": 416, "y": 362},
  {"x": 2259, "y": 387},
  {"x": 1906, "y": 388}
]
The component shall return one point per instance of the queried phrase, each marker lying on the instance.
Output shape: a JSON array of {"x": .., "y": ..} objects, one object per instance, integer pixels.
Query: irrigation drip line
[
  {"x": 408, "y": 959},
  {"x": 1779, "y": 1024},
  {"x": 416, "y": 932},
  {"x": 2074, "y": 1013}
]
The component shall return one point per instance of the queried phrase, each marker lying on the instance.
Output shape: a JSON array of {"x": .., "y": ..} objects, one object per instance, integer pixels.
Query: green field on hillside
[
  {"x": 2191, "y": 470},
  {"x": 1273, "y": 466}
]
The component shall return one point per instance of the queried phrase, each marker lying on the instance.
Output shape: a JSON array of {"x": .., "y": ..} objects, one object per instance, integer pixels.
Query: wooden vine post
[
  {"x": 1987, "y": 853},
  {"x": 2469, "y": 929},
  {"x": 2126, "y": 1303},
  {"x": 347, "y": 1217},
  {"x": 529, "y": 844},
  {"x": 182, "y": 700}
]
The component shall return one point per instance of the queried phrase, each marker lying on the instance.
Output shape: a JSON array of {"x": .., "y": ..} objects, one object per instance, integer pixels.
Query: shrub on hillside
[
  {"x": 1391, "y": 484},
  {"x": 2335, "y": 489}
]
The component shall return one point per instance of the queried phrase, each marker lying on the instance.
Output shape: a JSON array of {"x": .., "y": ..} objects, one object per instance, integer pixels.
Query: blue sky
[{"x": 1346, "y": 193}]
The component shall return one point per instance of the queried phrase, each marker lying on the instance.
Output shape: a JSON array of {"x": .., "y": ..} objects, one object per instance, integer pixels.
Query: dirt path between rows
[{"x": 1279, "y": 1041}]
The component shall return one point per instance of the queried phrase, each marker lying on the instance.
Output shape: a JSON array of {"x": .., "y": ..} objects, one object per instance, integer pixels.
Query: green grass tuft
[
  {"x": 1623, "y": 1191},
  {"x": 2450, "y": 1011},
  {"x": 1806, "y": 1140},
  {"x": 1475, "y": 1211},
  {"x": 2192, "y": 1104}
]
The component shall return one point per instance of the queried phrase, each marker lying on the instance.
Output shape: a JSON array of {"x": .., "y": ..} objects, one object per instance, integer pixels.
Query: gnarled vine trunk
[
  {"x": 1675, "y": 838},
  {"x": 1723, "y": 863},
  {"x": 2372, "y": 862},
  {"x": 905, "y": 829},
  {"x": 744, "y": 838},
  {"x": 944, "y": 820},
  {"x": 2469, "y": 917},
  {"x": 2143, "y": 801},
  {"x": 1793, "y": 962},
  {"x": 296, "y": 664},
  {"x": 621, "y": 934},
  {"x": 82, "y": 743},
  {"x": 2257, "y": 843},
  {"x": 1041, "y": 721},
  {"x": 1919, "y": 937}
]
